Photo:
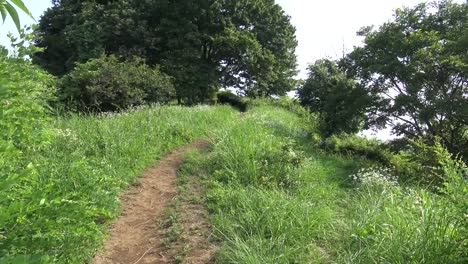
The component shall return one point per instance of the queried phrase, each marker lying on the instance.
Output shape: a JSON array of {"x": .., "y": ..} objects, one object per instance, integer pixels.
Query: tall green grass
[
  {"x": 394, "y": 223},
  {"x": 87, "y": 163},
  {"x": 275, "y": 197}
]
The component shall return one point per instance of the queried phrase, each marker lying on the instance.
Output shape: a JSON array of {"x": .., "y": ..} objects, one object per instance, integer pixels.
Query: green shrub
[
  {"x": 24, "y": 132},
  {"x": 226, "y": 97},
  {"x": 358, "y": 146},
  {"x": 417, "y": 162},
  {"x": 107, "y": 84},
  {"x": 421, "y": 163},
  {"x": 397, "y": 223}
]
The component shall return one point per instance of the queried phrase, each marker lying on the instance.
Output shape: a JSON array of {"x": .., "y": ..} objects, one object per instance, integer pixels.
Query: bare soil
[{"x": 135, "y": 236}]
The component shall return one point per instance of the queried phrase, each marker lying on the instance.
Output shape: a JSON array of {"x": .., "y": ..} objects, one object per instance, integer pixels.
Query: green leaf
[
  {"x": 14, "y": 15},
  {"x": 3, "y": 11},
  {"x": 21, "y": 6}
]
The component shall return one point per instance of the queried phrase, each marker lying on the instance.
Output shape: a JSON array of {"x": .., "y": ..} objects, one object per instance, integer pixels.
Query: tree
[
  {"x": 258, "y": 47},
  {"x": 7, "y": 8},
  {"x": 74, "y": 31},
  {"x": 203, "y": 44},
  {"x": 417, "y": 66},
  {"x": 339, "y": 100}
]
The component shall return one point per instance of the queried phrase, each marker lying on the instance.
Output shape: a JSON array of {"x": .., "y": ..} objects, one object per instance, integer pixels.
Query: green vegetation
[
  {"x": 7, "y": 8},
  {"x": 275, "y": 197},
  {"x": 107, "y": 84},
  {"x": 340, "y": 101},
  {"x": 227, "y": 97},
  {"x": 273, "y": 194},
  {"x": 410, "y": 75},
  {"x": 60, "y": 189},
  {"x": 283, "y": 185},
  {"x": 203, "y": 44}
]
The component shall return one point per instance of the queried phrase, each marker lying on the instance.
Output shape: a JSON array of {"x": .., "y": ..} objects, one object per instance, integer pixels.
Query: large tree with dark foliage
[
  {"x": 204, "y": 44},
  {"x": 417, "y": 66},
  {"x": 338, "y": 99}
]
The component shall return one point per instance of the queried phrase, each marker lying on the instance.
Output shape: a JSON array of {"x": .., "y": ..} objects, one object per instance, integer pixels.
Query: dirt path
[
  {"x": 134, "y": 237},
  {"x": 192, "y": 242}
]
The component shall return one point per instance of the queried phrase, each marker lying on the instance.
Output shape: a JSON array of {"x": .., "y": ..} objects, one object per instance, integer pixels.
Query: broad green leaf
[
  {"x": 21, "y": 6},
  {"x": 14, "y": 15},
  {"x": 3, "y": 11}
]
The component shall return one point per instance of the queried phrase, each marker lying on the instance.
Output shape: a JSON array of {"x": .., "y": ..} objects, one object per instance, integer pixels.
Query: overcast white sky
[{"x": 324, "y": 28}]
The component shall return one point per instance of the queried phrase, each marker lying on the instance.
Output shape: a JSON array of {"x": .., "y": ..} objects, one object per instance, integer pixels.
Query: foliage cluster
[
  {"x": 7, "y": 8},
  {"x": 338, "y": 99},
  {"x": 24, "y": 133},
  {"x": 410, "y": 74},
  {"x": 416, "y": 66},
  {"x": 227, "y": 97},
  {"x": 107, "y": 84},
  {"x": 203, "y": 44},
  {"x": 418, "y": 162}
]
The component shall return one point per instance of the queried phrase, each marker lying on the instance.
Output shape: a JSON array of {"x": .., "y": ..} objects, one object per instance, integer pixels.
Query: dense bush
[
  {"x": 107, "y": 84},
  {"x": 226, "y": 97},
  {"x": 421, "y": 163},
  {"x": 24, "y": 132},
  {"x": 358, "y": 146},
  {"x": 340, "y": 102},
  {"x": 416, "y": 162}
]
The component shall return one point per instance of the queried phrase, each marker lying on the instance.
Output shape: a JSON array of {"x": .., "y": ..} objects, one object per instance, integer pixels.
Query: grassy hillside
[
  {"x": 59, "y": 212},
  {"x": 273, "y": 195}
]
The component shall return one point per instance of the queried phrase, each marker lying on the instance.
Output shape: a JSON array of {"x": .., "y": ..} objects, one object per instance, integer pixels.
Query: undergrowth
[
  {"x": 87, "y": 163},
  {"x": 275, "y": 197}
]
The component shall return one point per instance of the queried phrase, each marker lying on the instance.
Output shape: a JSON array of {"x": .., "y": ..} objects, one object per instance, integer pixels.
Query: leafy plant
[
  {"x": 24, "y": 132},
  {"x": 7, "y": 8},
  {"x": 203, "y": 45},
  {"x": 107, "y": 84},
  {"x": 415, "y": 66},
  {"x": 226, "y": 97},
  {"x": 339, "y": 101}
]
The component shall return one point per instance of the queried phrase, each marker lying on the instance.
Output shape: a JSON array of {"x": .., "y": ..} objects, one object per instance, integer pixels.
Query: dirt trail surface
[
  {"x": 193, "y": 244},
  {"x": 134, "y": 237}
]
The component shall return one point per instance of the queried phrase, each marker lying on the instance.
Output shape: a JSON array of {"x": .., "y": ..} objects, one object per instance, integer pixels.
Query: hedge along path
[{"x": 135, "y": 236}]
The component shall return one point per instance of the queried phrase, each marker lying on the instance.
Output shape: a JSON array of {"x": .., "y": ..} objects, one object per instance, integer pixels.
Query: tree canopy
[
  {"x": 203, "y": 44},
  {"x": 417, "y": 66},
  {"x": 340, "y": 101}
]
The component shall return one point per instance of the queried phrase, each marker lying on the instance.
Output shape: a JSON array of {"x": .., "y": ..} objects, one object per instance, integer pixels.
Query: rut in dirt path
[{"x": 134, "y": 237}]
